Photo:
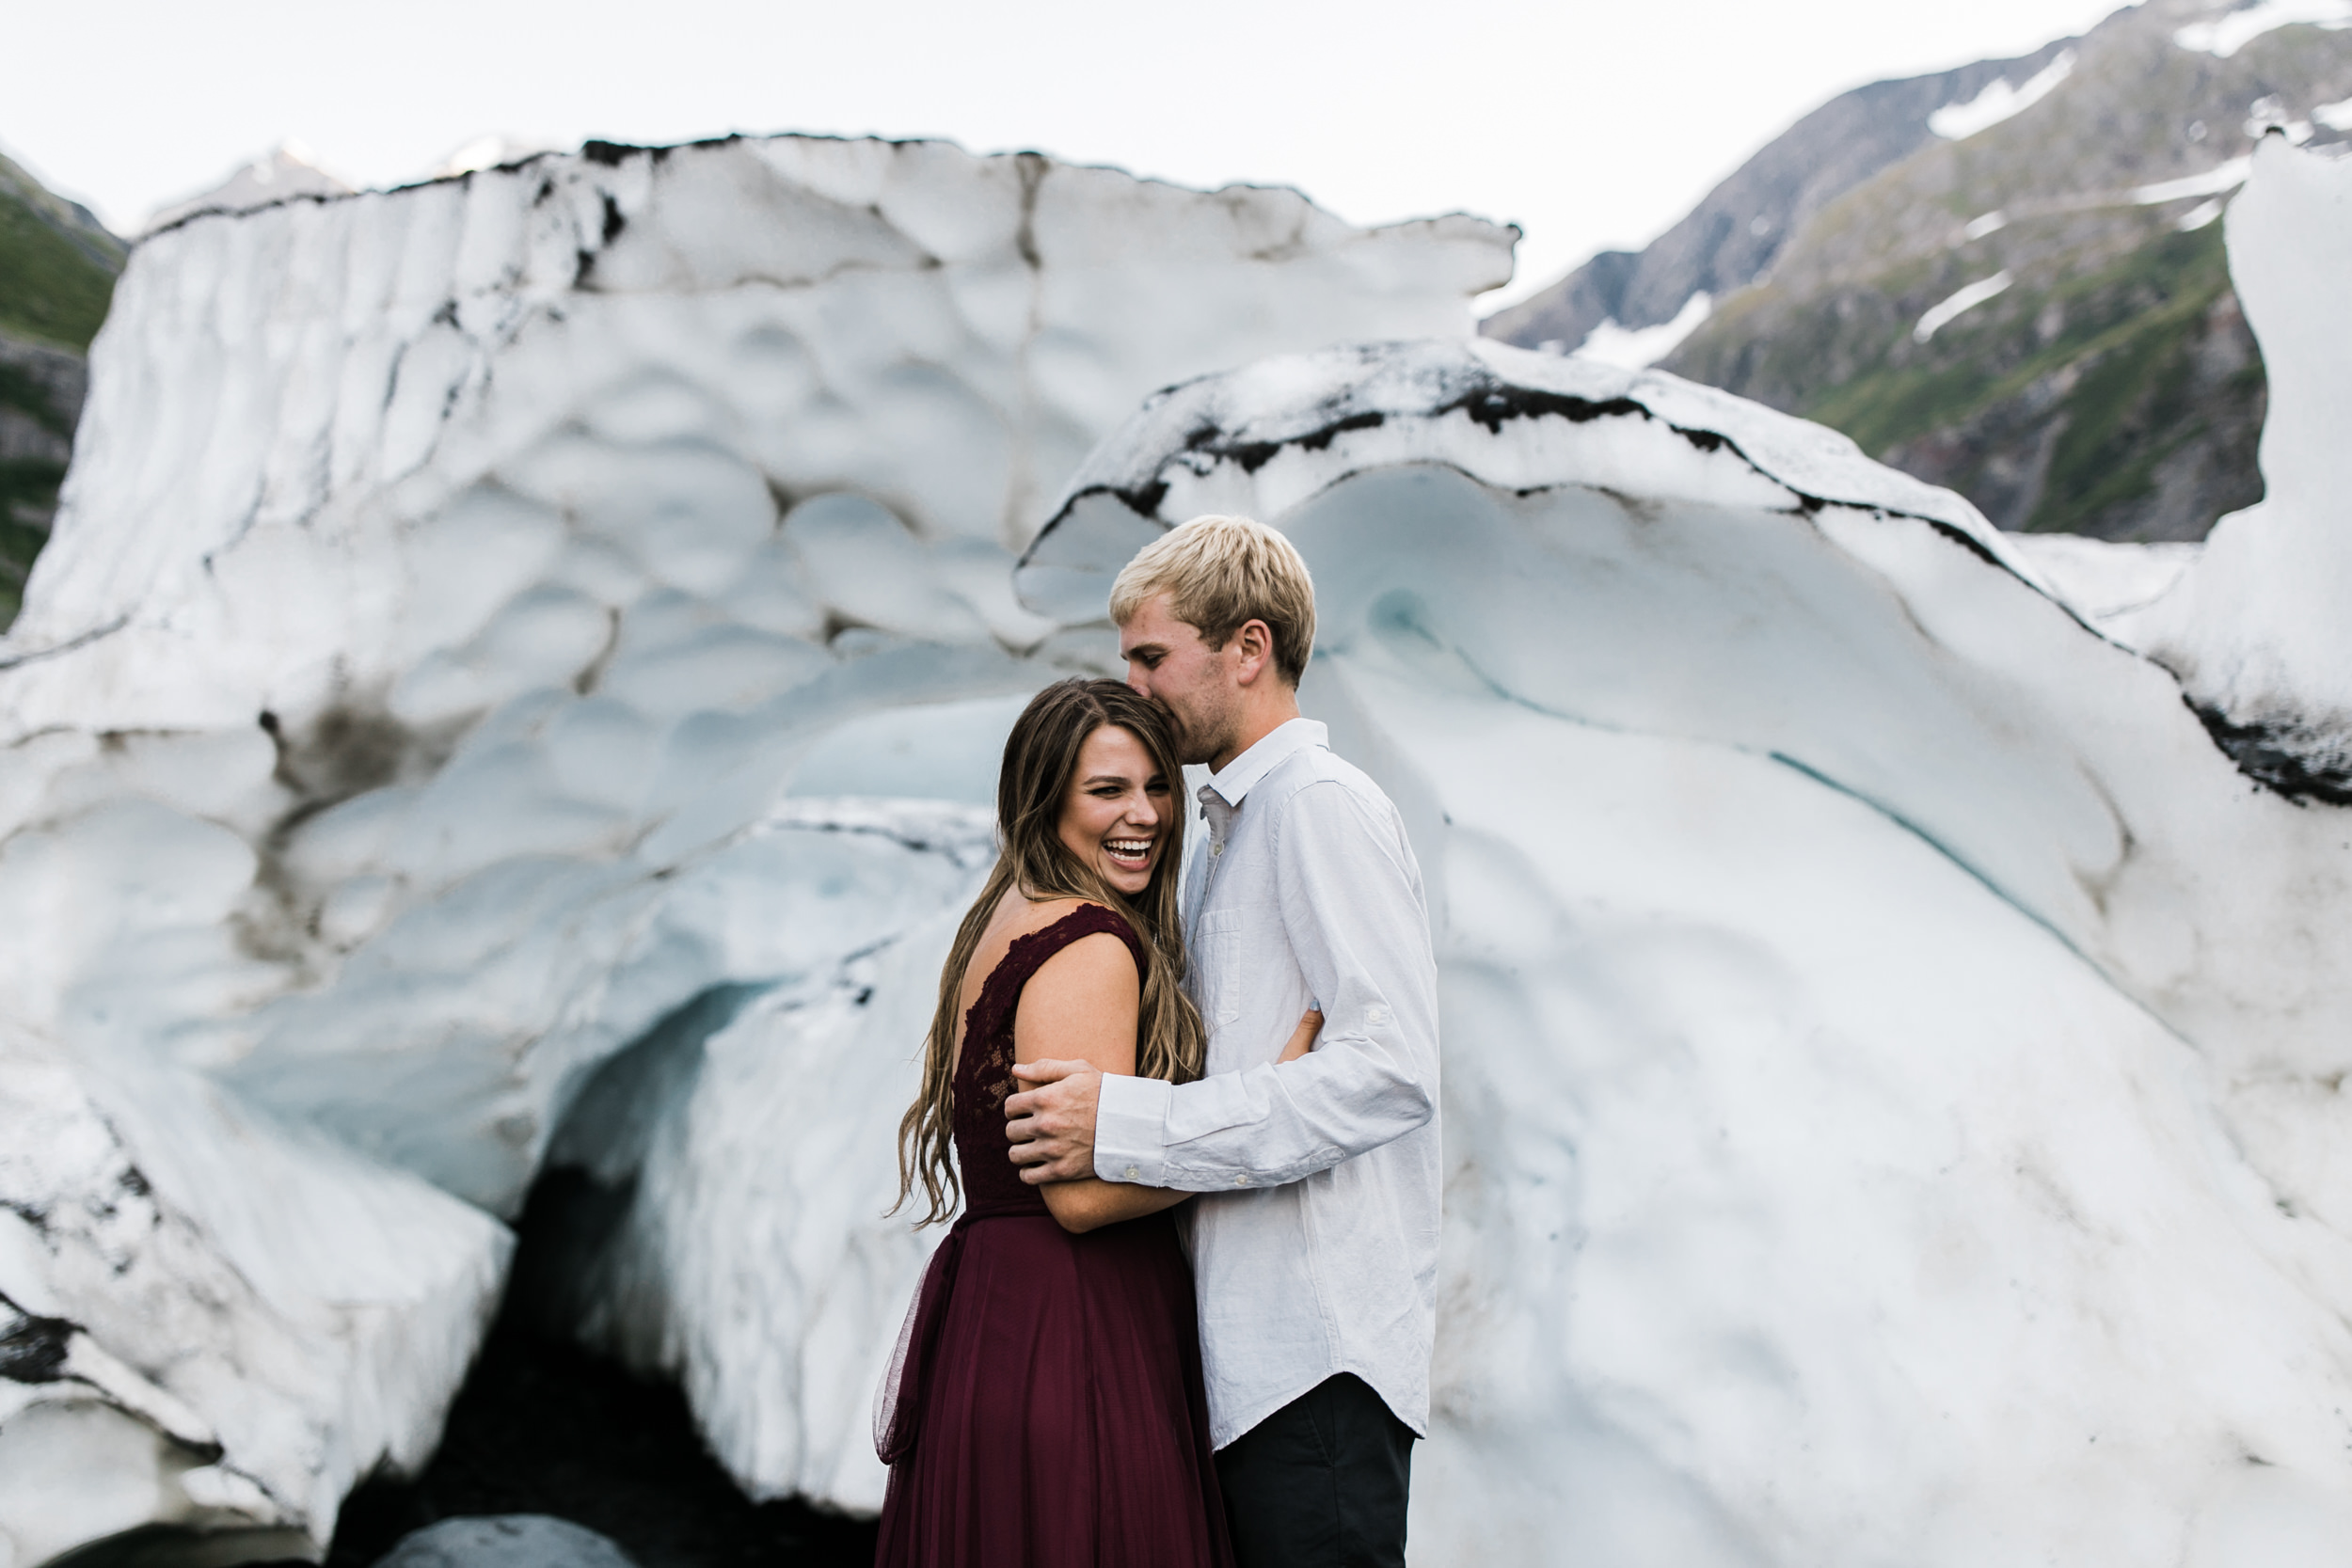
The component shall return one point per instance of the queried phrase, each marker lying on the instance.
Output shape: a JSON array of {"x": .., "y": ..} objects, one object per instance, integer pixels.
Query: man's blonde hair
[{"x": 1219, "y": 573}]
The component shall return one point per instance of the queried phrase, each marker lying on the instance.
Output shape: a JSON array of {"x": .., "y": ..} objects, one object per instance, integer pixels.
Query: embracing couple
[{"x": 1098, "y": 1059}]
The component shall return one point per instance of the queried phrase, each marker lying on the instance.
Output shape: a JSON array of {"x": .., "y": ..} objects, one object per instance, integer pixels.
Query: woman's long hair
[{"x": 1041, "y": 760}]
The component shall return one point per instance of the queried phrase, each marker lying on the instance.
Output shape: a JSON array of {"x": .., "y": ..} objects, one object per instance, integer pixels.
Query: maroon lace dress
[{"x": 1046, "y": 1411}]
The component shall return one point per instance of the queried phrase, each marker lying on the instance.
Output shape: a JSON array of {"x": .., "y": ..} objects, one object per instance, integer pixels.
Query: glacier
[
  {"x": 514, "y": 696},
  {"x": 1894, "y": 1054},
  {"x": 491, "y": 626}
]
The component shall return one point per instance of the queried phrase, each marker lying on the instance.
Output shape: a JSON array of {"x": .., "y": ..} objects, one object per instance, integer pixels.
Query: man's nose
[{"x": 1138, "y": 678}]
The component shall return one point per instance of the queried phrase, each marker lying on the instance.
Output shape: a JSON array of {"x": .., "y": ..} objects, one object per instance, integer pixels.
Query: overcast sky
[{"x": 1588, "y": 122}]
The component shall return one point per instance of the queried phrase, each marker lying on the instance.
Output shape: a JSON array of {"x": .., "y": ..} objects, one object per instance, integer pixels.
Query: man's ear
[{"x": 1255, "y": 640}]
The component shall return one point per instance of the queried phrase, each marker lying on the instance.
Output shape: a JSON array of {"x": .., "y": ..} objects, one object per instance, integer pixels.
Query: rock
[{"x": 505, "y": 1541}]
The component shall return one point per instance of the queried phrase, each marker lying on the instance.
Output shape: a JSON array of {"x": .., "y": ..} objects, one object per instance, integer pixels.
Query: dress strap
[
  {"x": 1027, "y": 954},
  {"x": 992, "y": 1010}
]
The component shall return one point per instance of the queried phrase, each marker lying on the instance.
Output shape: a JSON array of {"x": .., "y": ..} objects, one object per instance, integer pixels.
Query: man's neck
[{"x": 1259, "y": 719}]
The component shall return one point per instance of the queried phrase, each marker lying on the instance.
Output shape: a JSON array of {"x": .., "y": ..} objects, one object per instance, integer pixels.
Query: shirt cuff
[{"x": 1131, "y": 1129}]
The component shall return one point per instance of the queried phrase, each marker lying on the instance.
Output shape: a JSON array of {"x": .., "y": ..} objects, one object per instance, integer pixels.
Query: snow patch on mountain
[
  {"x": 2225, "y": 35},
  {"x": 286, "y": 172},
  {"x": 1999, "y": 100},
  {"x": 1958, "y": 303},
  {"x": 1638, "y": 348},
  {"x": 2217, "y": 181}
]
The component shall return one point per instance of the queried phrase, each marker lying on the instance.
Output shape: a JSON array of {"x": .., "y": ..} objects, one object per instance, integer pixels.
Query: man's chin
[{"x": 1187, "y": 753}]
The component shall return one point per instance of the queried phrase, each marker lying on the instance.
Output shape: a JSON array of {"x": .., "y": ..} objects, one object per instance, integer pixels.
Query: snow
[
  {"x": 1886, "y": 1035},
  {"x": 2336, "y": 117},
  {"x": 252, "y": 1321},
  {"x": 487, "y": 151},
  {"x": 1638, "y": 348},
  {"x": 2212, "y": 181},
  {"x": 1961, "y": 300},
  {"x": 2100, "y": 579},
  {"x": 2201, "y": 215},
  {"x": 286, "y": 171},
  {"x": 2254, "y": 629},
  {"x": 491, "y": 625},
  {"x": 1999, "y": 100},
  {"x": 1988, "y": 223},
  {"x": 2225, "y": 35}
]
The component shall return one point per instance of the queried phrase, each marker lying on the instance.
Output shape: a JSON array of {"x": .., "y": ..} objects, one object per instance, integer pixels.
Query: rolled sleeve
[
  {"x": 1131, "y": 1129},
  {"x": 1352, "y": 911}
]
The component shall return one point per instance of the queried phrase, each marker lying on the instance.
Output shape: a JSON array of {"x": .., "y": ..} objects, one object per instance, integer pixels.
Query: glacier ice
[
  {"x": 487, "y": 631},
  {"x": 2255, "y": 628},
  {"x": 535, "y": 713},
  {"x": 1890, "y": 1046}
]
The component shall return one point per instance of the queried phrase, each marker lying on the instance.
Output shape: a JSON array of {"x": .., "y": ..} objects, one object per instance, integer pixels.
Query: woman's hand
[{"x": 1303, "y": 1038}]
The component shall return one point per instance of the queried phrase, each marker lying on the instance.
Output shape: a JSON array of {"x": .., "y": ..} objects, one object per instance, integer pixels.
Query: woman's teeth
[{"x": 1135, "y": 849}]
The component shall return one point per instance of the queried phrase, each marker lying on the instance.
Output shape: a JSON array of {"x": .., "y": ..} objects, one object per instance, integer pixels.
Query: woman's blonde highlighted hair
[
  {"x": 1041, "y": 761},
  {"x": 1219, "y": 573}
]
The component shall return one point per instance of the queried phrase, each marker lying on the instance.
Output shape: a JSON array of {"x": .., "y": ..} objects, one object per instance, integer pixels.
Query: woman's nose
[{"x": 1142, "y": 812}]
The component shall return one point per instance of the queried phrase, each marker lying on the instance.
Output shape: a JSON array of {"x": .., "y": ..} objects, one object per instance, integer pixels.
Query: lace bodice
[{"x": 991, "y": 1183}]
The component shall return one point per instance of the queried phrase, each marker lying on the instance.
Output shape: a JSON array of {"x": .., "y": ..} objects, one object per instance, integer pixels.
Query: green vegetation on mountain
[
  {"x": 2106, "y": 384},
  {"x": 57, "y": 266},
  {"x": 2120, "y": 370},
  {"x": 57, "y": 270}
]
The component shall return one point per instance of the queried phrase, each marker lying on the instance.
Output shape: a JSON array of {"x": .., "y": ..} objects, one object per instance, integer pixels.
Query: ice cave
[{"x": 516, "y": 685}]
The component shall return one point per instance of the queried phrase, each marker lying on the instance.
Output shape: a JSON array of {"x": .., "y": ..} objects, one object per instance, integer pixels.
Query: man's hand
[{"x": 1052, "y": 1124}]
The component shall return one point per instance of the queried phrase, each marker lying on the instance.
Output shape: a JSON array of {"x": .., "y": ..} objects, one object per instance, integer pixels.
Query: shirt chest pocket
[{"x": 1218, "y": 949}]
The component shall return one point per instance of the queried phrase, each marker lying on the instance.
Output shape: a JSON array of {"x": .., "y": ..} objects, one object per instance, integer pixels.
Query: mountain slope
[
  {"x": 1733, "y": 236},
  {"x": 2036, "y": 311},
  {"x": 57, "y": 269}
]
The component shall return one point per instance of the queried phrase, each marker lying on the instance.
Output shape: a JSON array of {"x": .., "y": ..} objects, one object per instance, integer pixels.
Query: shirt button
[
  {"x": 1133, "y": 1172},
  {"x": 1216, "y": 850},
  {"x": 1241, "y": 1180}
]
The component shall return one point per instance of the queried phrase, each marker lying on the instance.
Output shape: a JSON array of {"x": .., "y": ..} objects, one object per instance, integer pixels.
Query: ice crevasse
[{"x": 1893, "y": 1039}]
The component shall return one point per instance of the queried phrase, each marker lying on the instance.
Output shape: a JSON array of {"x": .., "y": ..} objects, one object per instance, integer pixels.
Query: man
[{"x": 1316, "y": 1253}]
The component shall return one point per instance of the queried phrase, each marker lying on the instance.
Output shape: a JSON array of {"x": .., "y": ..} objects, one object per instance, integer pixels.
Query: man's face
[{"x": 1198, "y": 684}]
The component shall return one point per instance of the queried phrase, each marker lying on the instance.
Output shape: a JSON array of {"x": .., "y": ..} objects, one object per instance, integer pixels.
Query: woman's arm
[{"x": 1083, "y": 1003}]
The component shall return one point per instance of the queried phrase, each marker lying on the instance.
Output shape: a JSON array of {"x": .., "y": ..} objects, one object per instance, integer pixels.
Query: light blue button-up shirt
[{"x": 1317, "y": 1252}]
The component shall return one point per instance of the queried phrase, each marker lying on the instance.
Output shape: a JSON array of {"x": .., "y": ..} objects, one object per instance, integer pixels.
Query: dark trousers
[{"x": 1321, "y": 1482}]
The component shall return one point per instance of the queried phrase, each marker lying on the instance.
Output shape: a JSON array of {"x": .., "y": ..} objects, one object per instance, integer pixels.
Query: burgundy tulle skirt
[{"x": 1049, "y": 1412}]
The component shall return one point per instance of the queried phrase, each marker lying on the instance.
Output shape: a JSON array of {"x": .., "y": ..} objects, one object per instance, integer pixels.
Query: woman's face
[{"x": 1111, "y": 817}]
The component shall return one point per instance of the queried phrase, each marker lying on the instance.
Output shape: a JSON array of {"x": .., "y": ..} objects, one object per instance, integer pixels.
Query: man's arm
[{"x": 1351, "y": 906}]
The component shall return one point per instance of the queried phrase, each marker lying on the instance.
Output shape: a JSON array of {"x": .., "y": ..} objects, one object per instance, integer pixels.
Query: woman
[{"x": 1045, "y": 1406}]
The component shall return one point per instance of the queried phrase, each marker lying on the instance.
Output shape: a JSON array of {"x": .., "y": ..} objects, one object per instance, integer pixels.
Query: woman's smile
[{"x": 1111, "y": 817}]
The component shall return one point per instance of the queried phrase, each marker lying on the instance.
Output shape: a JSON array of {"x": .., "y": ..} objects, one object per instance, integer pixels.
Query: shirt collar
[{"x": 1238, "y": 778}]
